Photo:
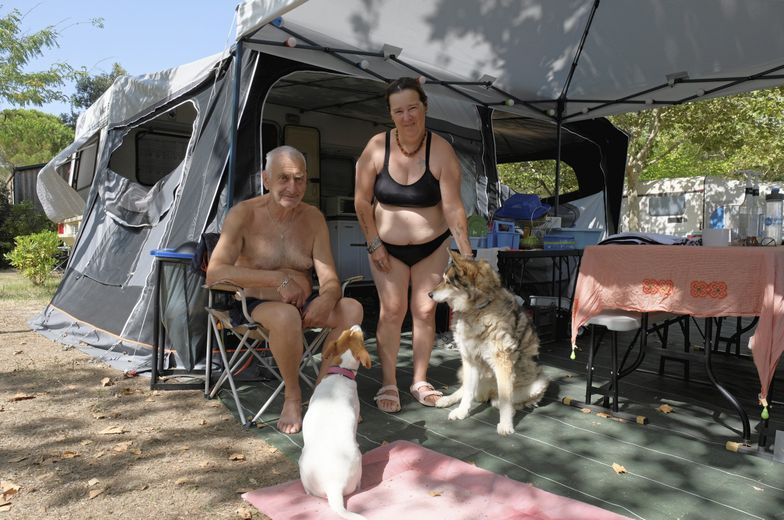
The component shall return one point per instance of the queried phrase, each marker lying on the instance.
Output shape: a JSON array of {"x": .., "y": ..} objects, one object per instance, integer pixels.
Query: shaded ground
[{"x": 77, "y": 449}]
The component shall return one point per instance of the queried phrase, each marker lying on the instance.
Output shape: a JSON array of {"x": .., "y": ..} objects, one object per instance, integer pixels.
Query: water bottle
[
  {"x": 774, "y": 211},
  {"x": 755, "y": 217},
  {"x": 745, "y": 227}
]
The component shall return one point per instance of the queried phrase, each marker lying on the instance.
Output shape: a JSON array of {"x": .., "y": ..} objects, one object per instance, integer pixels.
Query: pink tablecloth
[{"x": 700, "y": 281}]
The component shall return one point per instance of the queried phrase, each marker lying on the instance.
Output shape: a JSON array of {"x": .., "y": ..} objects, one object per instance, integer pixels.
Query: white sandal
[
  {"x": 385, "y": 394},
  {"x": 422, "y": 395}
]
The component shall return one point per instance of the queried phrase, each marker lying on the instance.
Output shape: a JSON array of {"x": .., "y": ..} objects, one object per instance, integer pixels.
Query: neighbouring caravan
[{"x": 684, "y": 205}]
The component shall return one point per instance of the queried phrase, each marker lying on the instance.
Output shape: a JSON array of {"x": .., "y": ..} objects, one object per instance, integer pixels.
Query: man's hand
[
  {"x": 292, "y": 292},
  {"x": 318, "y": 311}
]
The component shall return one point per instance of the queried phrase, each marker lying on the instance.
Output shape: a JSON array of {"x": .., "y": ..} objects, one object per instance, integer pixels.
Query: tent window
[
  {"x": 157, "y": 154},
  {"x": 150, "y": 151},
  {"x": 537, "y": 177},
  {"x": 667, "y": 205},
  {"x": 84, "y": 170}
]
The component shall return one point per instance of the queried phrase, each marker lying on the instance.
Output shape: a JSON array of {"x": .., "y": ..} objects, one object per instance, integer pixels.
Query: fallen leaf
[
  {"x": 113, "y": 430},
  {"x": 17, "y": 352},
  {"x": 18, "y": 459},
  {"x": 22, "y": 397},
  {"x": 585, "y": 410},
  {"x": 107, "y": 381},
  {"x": 95, "y": 492},
  {"x": 122, "y": 446},
  {"x": 182, "y": 481},
  {"x": 99, "y": 416},
  {"x": 435, "y": 493},
  {"x": 68, "y": 454},
  {"x": 98, "y": 455},
  {"x": 135, "y": 451},
  {"x": 143, "y": 487},
  {"x": 603, "y": 414},
  {"x": 245, "y": 514},
  {"x": 757, "y": 488},
  {"x": 8, "y": 488},
  {"x": 203, "y": 422},
  {"x": 5, "y": 507},
  {"x": 236, "y": 456},
  {"x": 618, "y": 468},
  {"x": 92, "y": 482},
  {"x": 85, "y": 442},
  {"x": 665, "y": 408}
]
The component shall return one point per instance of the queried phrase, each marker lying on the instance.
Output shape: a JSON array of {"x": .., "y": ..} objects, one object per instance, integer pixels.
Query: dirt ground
[{"x": 78, "y": 441}]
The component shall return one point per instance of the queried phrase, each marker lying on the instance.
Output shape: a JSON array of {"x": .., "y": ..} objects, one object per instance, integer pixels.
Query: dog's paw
[
  {"x": 504, "y": 429},
  {"x": 458, "y": 414},
  {"x": 444, "y": 402}
]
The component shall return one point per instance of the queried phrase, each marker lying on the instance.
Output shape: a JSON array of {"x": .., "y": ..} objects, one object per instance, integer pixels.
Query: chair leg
[
  {"x": 589, "y": 367},
  {"x": 614, "y": 370}
]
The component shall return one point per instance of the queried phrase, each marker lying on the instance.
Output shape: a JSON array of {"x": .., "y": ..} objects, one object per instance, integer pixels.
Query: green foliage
[
  {"x": 35, "y": 255},
  {"x": 88, "y": 90},
  {"x": 18, "y": 48},
  {"x": 537, "y": 177},
  {"x": 16, "y": 220},
  {"x": 713, "y": 137},
  {"x": 31, "y": 137}
]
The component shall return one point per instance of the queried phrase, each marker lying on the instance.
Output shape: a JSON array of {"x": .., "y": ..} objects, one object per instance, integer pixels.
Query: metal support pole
[{"x": 235, "y": 111}]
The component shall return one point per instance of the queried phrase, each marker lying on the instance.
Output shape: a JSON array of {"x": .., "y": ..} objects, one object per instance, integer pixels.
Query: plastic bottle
[
  {"x": 774, "y": 211},
  {"x": 746, "y": 214}
]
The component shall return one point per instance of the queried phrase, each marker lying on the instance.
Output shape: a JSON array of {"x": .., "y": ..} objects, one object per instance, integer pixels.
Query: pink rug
[{"x": 404, "y": 481}]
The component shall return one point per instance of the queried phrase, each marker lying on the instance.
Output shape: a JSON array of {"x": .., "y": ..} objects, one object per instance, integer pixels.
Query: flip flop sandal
[
  {"x": 422, "y": 390},
  {"x": 388, "y": 393}
]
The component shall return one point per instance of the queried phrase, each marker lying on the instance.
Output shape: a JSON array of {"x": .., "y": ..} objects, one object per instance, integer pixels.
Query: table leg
[{"x": 727, "y": 395}]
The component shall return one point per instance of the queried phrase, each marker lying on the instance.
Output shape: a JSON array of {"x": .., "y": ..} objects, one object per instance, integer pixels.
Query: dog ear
[
  {"x": 364, "y": 358},
  {"x": 330, "y": 351}
]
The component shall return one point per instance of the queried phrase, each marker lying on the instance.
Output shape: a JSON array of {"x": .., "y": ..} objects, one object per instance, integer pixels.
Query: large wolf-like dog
[{"x": 498, "y": 344}]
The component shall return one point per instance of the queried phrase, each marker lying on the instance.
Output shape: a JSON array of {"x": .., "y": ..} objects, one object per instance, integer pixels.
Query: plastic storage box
[
  {"x": 503, "y": 234},
  {"x": 579, "y": 238}
]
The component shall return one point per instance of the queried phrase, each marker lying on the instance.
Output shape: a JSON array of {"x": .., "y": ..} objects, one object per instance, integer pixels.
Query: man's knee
[{"x": 351, "y": 310}]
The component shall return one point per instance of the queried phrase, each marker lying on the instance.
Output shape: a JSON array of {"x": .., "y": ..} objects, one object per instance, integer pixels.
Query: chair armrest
[
  {"x": 348, "y": 281},
  {"x": 239, "y": 295}
]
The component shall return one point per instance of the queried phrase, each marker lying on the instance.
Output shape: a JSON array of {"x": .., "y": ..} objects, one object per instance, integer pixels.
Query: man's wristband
[{"x": 373, "y": 245}]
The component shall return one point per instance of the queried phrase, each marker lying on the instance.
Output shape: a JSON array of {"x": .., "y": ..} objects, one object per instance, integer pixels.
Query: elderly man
[{"x": 268, "y": 245}]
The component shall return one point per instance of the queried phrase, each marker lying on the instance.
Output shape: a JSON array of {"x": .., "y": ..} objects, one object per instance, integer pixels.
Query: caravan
[{"x": 685, "y": 205}]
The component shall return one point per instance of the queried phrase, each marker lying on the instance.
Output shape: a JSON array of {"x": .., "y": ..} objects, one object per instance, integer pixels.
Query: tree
[
  {"x": 30, "y": 137},
  {"x": 88, "y": 90},
  {"x": 720, "y": 136},
  {"x": 17, "y": 49}
]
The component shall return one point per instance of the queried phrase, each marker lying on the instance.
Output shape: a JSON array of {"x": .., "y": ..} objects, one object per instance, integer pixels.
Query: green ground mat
[{"x": 676, "y": 466}]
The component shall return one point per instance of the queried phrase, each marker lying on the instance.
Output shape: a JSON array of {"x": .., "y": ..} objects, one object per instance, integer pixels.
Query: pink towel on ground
[{"x": 403, "y": 480}]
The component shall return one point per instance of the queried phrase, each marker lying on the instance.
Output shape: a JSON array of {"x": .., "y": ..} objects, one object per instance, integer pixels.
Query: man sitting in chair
[{"x": 268, "y": 246}]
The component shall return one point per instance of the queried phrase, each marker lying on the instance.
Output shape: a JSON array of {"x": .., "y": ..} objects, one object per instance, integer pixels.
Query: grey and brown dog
[{"x": 498, "y": 344}]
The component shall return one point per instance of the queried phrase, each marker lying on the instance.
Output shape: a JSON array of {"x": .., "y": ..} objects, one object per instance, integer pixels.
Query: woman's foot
[
  {"x": 290, "y": 420},
  {"x": 425, "y": 393},
  {"x": 388, "y": 399}
]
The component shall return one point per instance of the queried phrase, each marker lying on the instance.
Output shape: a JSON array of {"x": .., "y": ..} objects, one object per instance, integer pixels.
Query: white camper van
[{"x": 680, "y": 206}]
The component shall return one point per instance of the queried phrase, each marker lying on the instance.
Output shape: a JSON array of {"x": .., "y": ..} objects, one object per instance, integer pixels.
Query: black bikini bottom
[
  {"x": 237, "y": 317},
  {"x": 412, "y": 254}
]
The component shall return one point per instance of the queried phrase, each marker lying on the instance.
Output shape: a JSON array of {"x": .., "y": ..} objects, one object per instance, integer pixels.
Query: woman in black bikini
[{"x": 407, "y": 200}]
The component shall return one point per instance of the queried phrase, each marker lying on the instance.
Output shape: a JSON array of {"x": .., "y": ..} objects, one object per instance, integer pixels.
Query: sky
[{"x": 141, "y": 35}]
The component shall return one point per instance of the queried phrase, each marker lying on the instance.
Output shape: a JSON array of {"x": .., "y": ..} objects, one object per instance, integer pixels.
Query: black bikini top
[{"x": 424, "y": 193}]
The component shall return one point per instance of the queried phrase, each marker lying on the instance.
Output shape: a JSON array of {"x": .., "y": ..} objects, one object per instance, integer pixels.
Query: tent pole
[
  {"x": 235, "y": 109},
  {"x": 558, "y": 126}
]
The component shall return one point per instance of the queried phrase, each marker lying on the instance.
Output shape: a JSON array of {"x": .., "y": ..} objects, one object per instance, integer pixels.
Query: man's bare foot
[{"x": 290, "y": 420}]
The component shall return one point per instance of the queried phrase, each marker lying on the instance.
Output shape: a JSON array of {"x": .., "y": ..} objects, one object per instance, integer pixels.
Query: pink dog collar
[{"x": 345, "y": 372}]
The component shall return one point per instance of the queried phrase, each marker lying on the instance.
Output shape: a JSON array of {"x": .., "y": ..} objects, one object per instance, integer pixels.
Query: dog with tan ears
[
  {"x": 331, "y": 464},
  {"x": 498, "y": 345}
]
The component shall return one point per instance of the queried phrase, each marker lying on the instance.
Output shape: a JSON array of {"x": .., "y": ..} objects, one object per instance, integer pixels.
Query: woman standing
[{"x": 414, "y": 177}]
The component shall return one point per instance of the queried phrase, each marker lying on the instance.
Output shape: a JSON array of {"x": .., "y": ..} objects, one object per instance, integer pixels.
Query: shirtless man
[{"x": 268, "y": 245}]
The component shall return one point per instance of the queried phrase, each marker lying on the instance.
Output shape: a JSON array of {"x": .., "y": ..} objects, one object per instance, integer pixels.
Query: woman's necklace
[
  {"x": 281, "y": 230},
  {"x": 405, "y": 152}
]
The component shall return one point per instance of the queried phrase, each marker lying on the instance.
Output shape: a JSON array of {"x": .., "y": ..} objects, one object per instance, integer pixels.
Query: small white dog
[{"x": 331, "y": 464}]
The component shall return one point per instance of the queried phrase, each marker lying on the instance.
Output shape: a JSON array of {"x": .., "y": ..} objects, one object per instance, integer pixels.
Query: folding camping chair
[{"x": 253, "y": 341}]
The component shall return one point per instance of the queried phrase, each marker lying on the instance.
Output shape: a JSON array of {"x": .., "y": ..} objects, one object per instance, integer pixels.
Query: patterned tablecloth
[{"x": 698, "y": 281}]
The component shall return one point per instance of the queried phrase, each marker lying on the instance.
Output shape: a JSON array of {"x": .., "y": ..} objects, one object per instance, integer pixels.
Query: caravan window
[
  {"x": 151, "y": 150},
  {"x": 667, "y": 205}
]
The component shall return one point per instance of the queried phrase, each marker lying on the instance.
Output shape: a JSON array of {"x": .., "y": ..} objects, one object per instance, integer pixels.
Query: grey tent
[{"x": 159, "y": 158}]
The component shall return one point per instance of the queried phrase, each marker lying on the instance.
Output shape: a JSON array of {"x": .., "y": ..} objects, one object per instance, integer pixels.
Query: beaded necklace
[{"x": 406, "y": 153}]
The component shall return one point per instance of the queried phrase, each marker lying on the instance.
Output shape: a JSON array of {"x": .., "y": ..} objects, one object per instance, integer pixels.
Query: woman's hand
[{"x": 380, "y": 259}]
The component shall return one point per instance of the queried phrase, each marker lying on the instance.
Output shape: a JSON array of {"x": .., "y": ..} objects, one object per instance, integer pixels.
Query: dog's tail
[{"x": 335, "y": 498}]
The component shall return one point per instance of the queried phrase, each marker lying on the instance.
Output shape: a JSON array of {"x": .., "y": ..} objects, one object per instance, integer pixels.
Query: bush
[
  {"x": 35, "y": 255},
  {"x": 18, "y": 219}
]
